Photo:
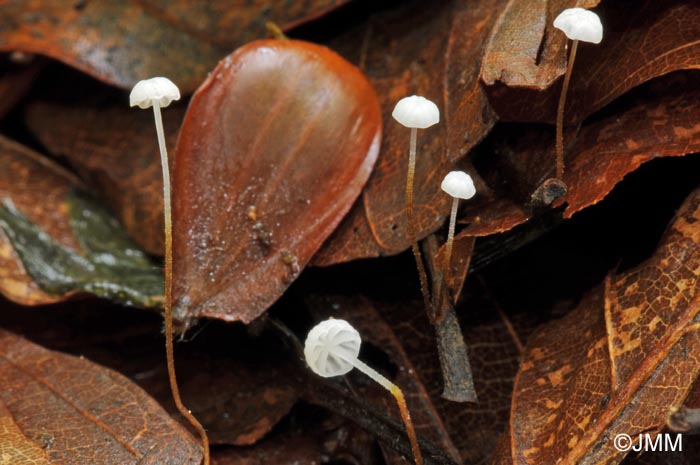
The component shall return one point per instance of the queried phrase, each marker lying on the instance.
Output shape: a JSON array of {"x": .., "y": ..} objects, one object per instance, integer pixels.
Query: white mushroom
[
  {"x": 579, "y": 25},
  {"x": 159, "y": 92},
  {"x": 459, "y": 185},
  {"x": 415, "y": 112},
  {"x": 331, "y": 349}
]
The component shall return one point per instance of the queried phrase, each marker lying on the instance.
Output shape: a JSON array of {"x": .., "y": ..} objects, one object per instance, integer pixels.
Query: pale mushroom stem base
[
  {"x": 411, "y": 225},
  {"x": 168, "y": 313},
  {"x": 400, "y": 400},
  {"x": 442, "y": 288},
  {"x": 560, "y": 112}
]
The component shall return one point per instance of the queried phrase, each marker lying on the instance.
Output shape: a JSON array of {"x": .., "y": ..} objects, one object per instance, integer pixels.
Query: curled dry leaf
[
  {"x": 87, "y": 414},
  {"x": 431, "y": 50},
  {"x": 114, "y": 150},
  {"x": 55, "y": 241},
  {"x": 631, "y": 354},
  {"x": 123, "y": 42},
  {"x": 642, "y": 40},
  {"x": 267, "y": 164},
  {"x": 658, "y": 120}
]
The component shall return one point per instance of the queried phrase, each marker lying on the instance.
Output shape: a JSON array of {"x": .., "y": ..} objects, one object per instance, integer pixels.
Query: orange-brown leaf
[
  {"x": 268, "y": 162},
  {"x": 56, "y": 408},
  {"x": 630, "y": 353}
]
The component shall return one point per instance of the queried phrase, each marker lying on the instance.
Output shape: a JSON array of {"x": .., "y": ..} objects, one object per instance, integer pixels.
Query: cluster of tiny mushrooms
[{"x": 332, "y": 346}]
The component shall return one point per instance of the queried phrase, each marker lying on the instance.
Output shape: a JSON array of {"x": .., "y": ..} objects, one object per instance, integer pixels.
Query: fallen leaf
[
  {"x": 642, "y": 40},
  {"x": 659, "y": 119},
  {"x": 114, "y": 149},
  {"x": 218, "y": 367},
  {"x": 57, "y": 408},
  {"x": 267, "y": 164},
  {"x": 124, "y": 42},
  {"x": 55, "y": 241},
  {"x": 430, "y": 50},
  {"x": 629, "y": 356}
]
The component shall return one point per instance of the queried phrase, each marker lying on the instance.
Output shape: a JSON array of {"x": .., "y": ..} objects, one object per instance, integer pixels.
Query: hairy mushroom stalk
[
  {"x": 159, "y": 92},
  {"x": 331, "y": 349},
  {"x": 416, "y": 112},
  {"x": 579, "y": 25},
  {"x": 459, "y": 185}
]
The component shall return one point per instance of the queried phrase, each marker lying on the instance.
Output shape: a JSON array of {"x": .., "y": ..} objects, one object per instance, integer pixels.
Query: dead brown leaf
[
  {"x": 266, "y": 167},
  {"x": 124, "y": 42},
  {"x": 56, "y": 408},
  {"x": 630, "y": 355}
]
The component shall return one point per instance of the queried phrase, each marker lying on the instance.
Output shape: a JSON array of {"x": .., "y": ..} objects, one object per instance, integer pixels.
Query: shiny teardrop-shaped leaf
[{"x": 275, "y": 148}]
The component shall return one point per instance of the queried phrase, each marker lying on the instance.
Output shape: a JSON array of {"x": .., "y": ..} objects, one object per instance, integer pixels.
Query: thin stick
[
  {"x": 447, "y": 259},
  {"x": 400, "y": 400},
  {"x": 411, "y": 225},
  {"x": 169, "y": 355},
  {"x": 560, "y": 112}
]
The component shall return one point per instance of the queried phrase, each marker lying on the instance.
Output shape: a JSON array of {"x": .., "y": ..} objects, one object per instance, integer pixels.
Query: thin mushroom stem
[
  {"x": 448, "y": 255},
  {"x": 411, "y": 225},
  {"x": 560, "y": 112},
  {"x": 400, "y": 400},
  {"x": 169, "y": 288}
]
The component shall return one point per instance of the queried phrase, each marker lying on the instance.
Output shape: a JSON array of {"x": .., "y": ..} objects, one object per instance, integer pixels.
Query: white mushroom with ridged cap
[
  {"x": 458, "y": 185},
  {"x": 580, "y": 24},
  {"x": 330, "y": 346},
  {"x": 154, "y": 91},
  {"x": 416, "y": 112},
  {"x": 159, "y": 92},
  {"x": 331, "y": 349}
]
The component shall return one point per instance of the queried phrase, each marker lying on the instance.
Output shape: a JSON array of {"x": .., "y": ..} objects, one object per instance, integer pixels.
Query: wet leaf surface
[
  {"x": 56, "y": 408},
  {"x": 54, "y": 249},
  {"x": 631, "y": 353},
  {"x": 115, "y": 150},
  {"x": 266, "y": 167},
  {"x": 124, "y": 42},
  {"x": 642, "y": 40},
  {"x": 403, "y": 51}
]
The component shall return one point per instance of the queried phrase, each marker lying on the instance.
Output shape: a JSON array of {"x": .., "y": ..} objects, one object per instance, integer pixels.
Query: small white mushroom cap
[
  {"x": 459, "y": 184},
  {"x": 580, "y": 24},
  {"x": 416, "y": 112},
  {"x": 155, "y": 91},
  {"x": 331, "y": 346}
]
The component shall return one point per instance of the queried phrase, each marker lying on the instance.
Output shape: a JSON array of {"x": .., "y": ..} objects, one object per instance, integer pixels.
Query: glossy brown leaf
[
  {"x": 56, "y": 408},
  {"x": 631, "y": 353},
  {"x": 267, "y": 163},
  {"x": 114, "y": 149},
  {"x": 431, "y": 50},
  {"x": 642, "y": 40},
  {"x": 123, "y": 42}
]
